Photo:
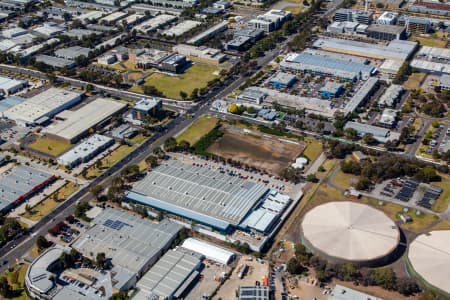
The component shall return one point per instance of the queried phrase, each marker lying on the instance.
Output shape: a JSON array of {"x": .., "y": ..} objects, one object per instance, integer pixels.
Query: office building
[
  {"x": 85, "y": 151},
  {"x": 415, "y": 24},
  {"x": 201, "y": 54},
  {"x": 270, "y": 21},
  {"x": 387, "y": 18},
  {"x": 386, "y": 32},
  {"x": 146, "y": 107},
  {"x": 331, "y": 89},
  {"x": 345, "y": 14},
  {"x": 282, "y": 80}
]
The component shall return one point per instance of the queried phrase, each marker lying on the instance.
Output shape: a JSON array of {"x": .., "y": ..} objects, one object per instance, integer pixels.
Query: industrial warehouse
[
  {"x": 40, "y": 108},
  {"x": 429, "y": 259},
  {"x": 77, "y": 123},
  {"x": 19, "y": 184},
  {"x": 209, "y": 197},
  {"x": 350, "y": 232},
  {"x": 133, "y": 244}
]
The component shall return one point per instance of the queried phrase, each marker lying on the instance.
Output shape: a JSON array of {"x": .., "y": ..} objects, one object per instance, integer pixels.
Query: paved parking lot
[{"x": 208, "y": 282}]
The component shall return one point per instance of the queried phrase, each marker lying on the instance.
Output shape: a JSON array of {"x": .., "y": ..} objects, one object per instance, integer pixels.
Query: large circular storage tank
[
  {"x": 429, "y": 257},
  {"x": 350, "y": 232}
]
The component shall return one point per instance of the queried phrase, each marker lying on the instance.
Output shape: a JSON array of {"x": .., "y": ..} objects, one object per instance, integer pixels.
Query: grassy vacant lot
[
  {"x": 430, "y": 41},
  {"x": 442, "y": 203},
  {"x": 138, "y": 139},
  {"x": 51, "y": 202},
  {"x": 50, "y": 146},
  {"x": 197, "y": 76},
  {"x": 199, "y": 128},
  {"x": 16, "y": 279},
  {"x": 414, "y": 81},
  {"x": 345, "y": 180},
  {"x": 109, "y": 160},
  {"x": 313, "y": 148}
]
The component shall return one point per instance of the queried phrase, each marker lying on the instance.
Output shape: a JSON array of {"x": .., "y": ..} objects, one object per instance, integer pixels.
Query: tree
[
  {"x": 5, "y": 287},
  {"x": 130, "y": 172},
  {"x": 42, "y": 243},
  {"x": 194, "y": 93},
  {"x": 295, "y": 267},
  {"x": 96, "y": 190},
  {"x": 183, "y": 146},
  {"x": 363, "y": 183},
  {"x": 429, "y": 295},
  {"x": 170, "y": 144},
  {"x": 407, "y": 286},
  {"x": 368, "y": 139},
  {"x": 67, "y": 260},
  {"x": 100, "y": 260},
  {"x": 233, "y": 108},
  {"x": 152, "y": 161},
  {"x": 351, "y": 133},
  {"x": 183, "y": 95},
  {"x": 311, "y": 178},
  {"x": 385, "y": 277}
]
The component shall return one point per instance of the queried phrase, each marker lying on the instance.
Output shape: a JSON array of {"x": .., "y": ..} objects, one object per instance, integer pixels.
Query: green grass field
[
  {"x": 442, "y": 203},
  {"x": 313, "y": 149},
  {"x": 17, "y": 279},
  {"x": 49, "y": 203},
  {"x": 109, "y": 160},
  {"x": 198, "y": 129},
  {"x": 432, "y": 42},
  {"x": 50, "y": 146},
  {"x": 197, "y": 76}
]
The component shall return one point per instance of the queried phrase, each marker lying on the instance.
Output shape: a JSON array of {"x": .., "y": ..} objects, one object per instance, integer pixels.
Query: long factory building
[
  {"x": 218, "y": 200},
  {"x": 77, "y": 123},
  {"x": 41, "y": 107},
  {"x": 327, "y": 66}
]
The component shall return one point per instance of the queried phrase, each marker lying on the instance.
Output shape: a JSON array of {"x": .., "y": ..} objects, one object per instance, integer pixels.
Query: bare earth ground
[
  {"x": 269, "y": 153},
  {"x": 256, "y": 271}
]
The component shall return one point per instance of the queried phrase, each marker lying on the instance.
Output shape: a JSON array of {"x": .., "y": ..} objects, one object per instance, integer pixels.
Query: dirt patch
[{"x": 264, "y": 152}]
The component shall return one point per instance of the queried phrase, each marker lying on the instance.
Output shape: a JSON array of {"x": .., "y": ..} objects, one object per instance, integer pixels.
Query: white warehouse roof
[
  {"x": 211, "y": 252},
  {"x": 429, "y": 255}
]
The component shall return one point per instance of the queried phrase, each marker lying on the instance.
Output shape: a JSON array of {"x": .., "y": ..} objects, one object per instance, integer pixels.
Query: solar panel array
[
  {"x": 116, "y": 224},
  {"x": 202, "y": 189},
  {"x": 430, "y": 196},
  {"x": 407, "y": 190}
]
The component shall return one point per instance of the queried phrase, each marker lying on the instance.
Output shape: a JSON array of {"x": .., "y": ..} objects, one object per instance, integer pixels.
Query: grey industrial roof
[
  {"x": 360, "y": 95},
  {"x": 393, "y": 29},
  {"x": 56, "y": 62},
  {"x": 86, "y": 117},
  {"x": 73, "y": 52},
  {"x": 200, "y": 193},
  {"x": 147, "y": 104},
  {"x": 380, "y": 134},
  {"x": 9, "y": 102},
  {"x": 396, "y": 49},
  {"x": 339, "y": 56},
  {"x": 85, "y": 149},
  {"x": 282, "y": 77},
  {"x": 18, "y": 182},
  {"x": 130, "y": 242},
  {"x": 166, "y": 278},
  {"x": 444, "y": 80},
  {"x": 7, "y": 83},
  {"x": 344, "y": 293},
  {"x": 254, "y": 293},
  {"x": 328, "y": 65},
  {"x": 80, "y": 33}
]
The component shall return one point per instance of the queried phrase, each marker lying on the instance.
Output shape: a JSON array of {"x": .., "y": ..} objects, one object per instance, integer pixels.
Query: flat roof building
[
  {"x": 39, "y": 276},
  {"x": 181, "y": 28},
  {"x": 270, "y": 21},
  {"x": 43, "y": 106},
  {"x": 330, "y": 67},
  {"x": 78, "y": 123},
  {"x": 388, "y": 118},
  {"x": 386, "y": 32},
  {"x": 155, "y": 23},
  {"x": 113, "y": 17},
  {"x": 201, "y": 53},
  {"x": 72, "y": 53},
  {"x": 11, "y": 86},
  {"x": 207, "y": 34},
  {"x": 131, "y": 242},
  {"x": 182, "y": 189},
  {"x": 252, "y": 94},
  {"x": 391, "y": 96},
  {"x": 170, "y": 276},
  {"x": 434, "y": 54},
  {"x": 49, "y": 29},
  {"x": 282, "y": 80},
  {"x": 395, "y": 50},
  {"x": 19, "y": 184},
  {"x": 174, "y": 63},
  {"x": 55, "y": 62},
  {"x": 146, "y": 107},
  {"x": 86, "y": 150},
  {"x": 380, "y": 134},
  {"x": 444, "y": 82},
  {"x": 430, "y": 66}
]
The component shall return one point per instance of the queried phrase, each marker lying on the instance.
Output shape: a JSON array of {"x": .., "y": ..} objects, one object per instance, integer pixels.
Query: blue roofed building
[
  {"x": 304, "y": 63},
  {"x": 283, "y": 80},
  {"x": 331, "y": 89}
]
